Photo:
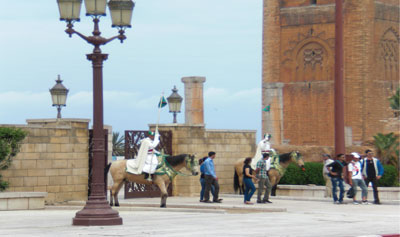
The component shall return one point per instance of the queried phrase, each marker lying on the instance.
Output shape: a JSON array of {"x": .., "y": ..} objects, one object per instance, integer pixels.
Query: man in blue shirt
[{"x": 211, "y": 178}]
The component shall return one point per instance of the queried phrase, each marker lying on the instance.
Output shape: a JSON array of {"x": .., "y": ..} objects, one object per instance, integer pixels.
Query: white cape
[{"x": 135, "y": 166}]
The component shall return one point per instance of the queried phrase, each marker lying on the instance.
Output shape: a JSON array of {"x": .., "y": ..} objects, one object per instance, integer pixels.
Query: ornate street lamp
[
  {"x": 174, "y": 102},
  {"x": 59, "y": 95},
  {"x": 97, "y": 211}
]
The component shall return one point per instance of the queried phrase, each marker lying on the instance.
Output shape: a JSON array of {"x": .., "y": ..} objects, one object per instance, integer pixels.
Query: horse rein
[{"x": 165, "y": 165}]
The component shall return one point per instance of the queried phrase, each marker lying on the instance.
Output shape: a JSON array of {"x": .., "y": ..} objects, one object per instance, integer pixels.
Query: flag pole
[
  {"x": 159, "y": 111},
  {"x": 156, "y": 131}
]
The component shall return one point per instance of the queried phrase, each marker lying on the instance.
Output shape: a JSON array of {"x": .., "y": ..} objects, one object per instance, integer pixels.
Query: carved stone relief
[
  {"x": 309, "y": 50},
  {"x": 389, "y": 51}
]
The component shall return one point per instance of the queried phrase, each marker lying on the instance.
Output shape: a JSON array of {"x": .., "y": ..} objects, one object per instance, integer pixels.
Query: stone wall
[
  {"x": 53, "y": 159},
  {"x": 230, "y": 145},
  {"x": 298, "y": 69}
]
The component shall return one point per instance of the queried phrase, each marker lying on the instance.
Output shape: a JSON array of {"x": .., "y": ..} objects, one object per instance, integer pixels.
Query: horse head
[
  {"x": 192, "y": 164},
  {"x": 298, "y": 158}
]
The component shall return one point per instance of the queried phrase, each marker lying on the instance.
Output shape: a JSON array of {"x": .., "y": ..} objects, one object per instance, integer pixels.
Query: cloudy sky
[{"x": 217, "y": 39}]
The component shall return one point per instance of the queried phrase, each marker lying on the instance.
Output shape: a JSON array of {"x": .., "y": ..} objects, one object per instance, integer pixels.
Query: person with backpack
[{"x": 356, "y": 179}]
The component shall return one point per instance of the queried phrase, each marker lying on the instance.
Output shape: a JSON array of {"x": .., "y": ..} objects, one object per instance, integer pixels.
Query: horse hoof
[
  {"x": 163, "y": 206},
  {"x": 117, "y": 205}
]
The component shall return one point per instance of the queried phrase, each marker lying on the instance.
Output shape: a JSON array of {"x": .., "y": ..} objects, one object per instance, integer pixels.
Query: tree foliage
[
  {"x": 387, "y": 147},
  {"x": 395, "y": 102},
  {"x": 10, "y": 139},
  {"x": 118, "y": 143}
]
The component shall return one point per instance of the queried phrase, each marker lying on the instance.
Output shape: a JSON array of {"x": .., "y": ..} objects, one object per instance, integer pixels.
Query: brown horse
[
  {"x": 279, "y": 164},
  {"x": 166, "y": 171}
]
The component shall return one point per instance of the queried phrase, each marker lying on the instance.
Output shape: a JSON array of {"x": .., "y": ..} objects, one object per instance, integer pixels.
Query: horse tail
[
  {"x": 236, "y": 181},
  {"x": 107, "y": 168}
]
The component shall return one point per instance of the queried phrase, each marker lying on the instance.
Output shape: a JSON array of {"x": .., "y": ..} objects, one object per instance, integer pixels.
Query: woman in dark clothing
[{"x": 247, "y": 180}]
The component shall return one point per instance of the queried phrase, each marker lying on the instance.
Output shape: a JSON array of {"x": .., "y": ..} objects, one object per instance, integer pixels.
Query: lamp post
[
  {"x": 59, "y": 95},
  {"x": 97, "y": 210},
  {"x": 174, "y": 102}
]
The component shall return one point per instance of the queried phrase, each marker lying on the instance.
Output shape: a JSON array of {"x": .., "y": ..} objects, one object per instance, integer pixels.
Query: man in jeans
[
  {"x": 262, "y": 168},
  {"x": 372, "y": 171},
  {"x": 336, "y": 172},
  {"x": 211, "y": 179},
  {"x": 356, "y": 179}
]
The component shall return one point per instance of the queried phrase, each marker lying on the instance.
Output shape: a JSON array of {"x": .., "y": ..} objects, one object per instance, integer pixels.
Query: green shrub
[
  {"x": 312, "y": 174},
  {"x": 293, "y": 175},
  {"x": 390, "y": 177},
  {"x": 10, "y": 139}
]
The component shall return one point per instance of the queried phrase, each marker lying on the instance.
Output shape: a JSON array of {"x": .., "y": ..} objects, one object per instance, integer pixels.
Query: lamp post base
[{"x": 97, "y": 213}]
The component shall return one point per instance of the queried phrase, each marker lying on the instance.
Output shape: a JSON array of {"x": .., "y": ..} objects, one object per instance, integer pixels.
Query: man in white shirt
[
  {"x": 325, "y": 173},
  {"x": 357, "y": 179}
]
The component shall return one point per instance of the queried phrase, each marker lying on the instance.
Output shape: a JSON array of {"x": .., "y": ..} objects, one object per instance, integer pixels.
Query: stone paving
[{"x": 186, "y": 216}]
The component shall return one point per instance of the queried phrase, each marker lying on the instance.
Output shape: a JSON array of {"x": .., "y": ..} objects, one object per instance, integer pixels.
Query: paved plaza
[{"x": 186, "y": 216}]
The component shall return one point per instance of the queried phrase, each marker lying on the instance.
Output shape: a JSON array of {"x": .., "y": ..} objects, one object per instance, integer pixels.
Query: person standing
[
  {"x": 325, "y": 173},
  {"x": 336, "y": 173},
  {"x": 211, "y": 179},
  {"x": 263, "y": 180},
  {"x": 356, "y": 179},
  {"x": 248, "y": 177},
  {"x": 202, "y": 179},
  {"x": 372, "y": 171}
]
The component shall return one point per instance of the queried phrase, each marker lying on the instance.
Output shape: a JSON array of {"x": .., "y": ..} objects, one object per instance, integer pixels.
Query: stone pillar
[
  {"x": 271, "y": 61},
  {"x": 194, "y": 106},
  {"x": 272, "y": 121}
]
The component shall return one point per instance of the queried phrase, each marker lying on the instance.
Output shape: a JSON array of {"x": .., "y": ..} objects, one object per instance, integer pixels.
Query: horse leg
[
  {"x": 111, "y": 198},
  {"x": 115, "y": 190},
  {"x": 273, "y": 181},
  {"x": 275, "y": 186},
  {"x": 241, "y": 185},
  {"x": 164, "y": 193},
  {"x": 273, "y": 190}
]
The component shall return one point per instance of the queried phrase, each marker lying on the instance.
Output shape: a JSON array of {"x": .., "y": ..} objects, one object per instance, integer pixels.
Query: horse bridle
[
  {"x": 176, "y": 172},
  {"x": 190, "y": 165}
]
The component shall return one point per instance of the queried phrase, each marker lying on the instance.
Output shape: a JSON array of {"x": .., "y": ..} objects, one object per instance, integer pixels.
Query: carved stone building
[{"x": 298, "y": 69}]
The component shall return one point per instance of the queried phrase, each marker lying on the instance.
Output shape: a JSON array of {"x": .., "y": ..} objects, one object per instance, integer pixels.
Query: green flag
[
  {"x": 267, "y": 108},
  {"x": 162, "y": 103}
]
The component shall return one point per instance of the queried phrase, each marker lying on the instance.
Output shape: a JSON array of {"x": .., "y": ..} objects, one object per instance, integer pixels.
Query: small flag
[
  {"x": 162, "y": 103},
  {"x": 267, "y": 108}
]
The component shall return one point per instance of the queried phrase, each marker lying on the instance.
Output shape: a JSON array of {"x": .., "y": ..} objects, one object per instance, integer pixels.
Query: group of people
[
  {"x": 361, "y": 172},
  {"x": 209, "y": 179},
  {"x": 260, "y": 175},
  {"x": 261, "y": 163}
]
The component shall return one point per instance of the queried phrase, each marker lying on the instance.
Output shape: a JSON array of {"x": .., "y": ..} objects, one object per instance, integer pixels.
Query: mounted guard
[
  {"x": 146, "y": 161},
  {"x": 264, "y": 146}
]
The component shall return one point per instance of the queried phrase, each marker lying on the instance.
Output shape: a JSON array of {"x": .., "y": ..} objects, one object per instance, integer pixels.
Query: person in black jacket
[{"x": 336, "y": 173}]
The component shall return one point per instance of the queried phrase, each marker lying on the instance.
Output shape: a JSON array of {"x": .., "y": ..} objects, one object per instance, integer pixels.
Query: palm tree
[
  {"x": 118, "y": 143},
  {"x": 387, "y": 148},
  {"x": 395, "y": 102}
]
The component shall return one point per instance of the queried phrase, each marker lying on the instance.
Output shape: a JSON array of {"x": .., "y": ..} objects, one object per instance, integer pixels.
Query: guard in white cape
[
  {"x": 264, "y": 146},
  {"x": 148, "y": 152},
  {"x": 146, "y": 160}
]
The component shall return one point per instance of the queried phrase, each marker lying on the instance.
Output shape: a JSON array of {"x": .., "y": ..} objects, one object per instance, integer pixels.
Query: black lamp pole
[{"x": 97, "y": 210}]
